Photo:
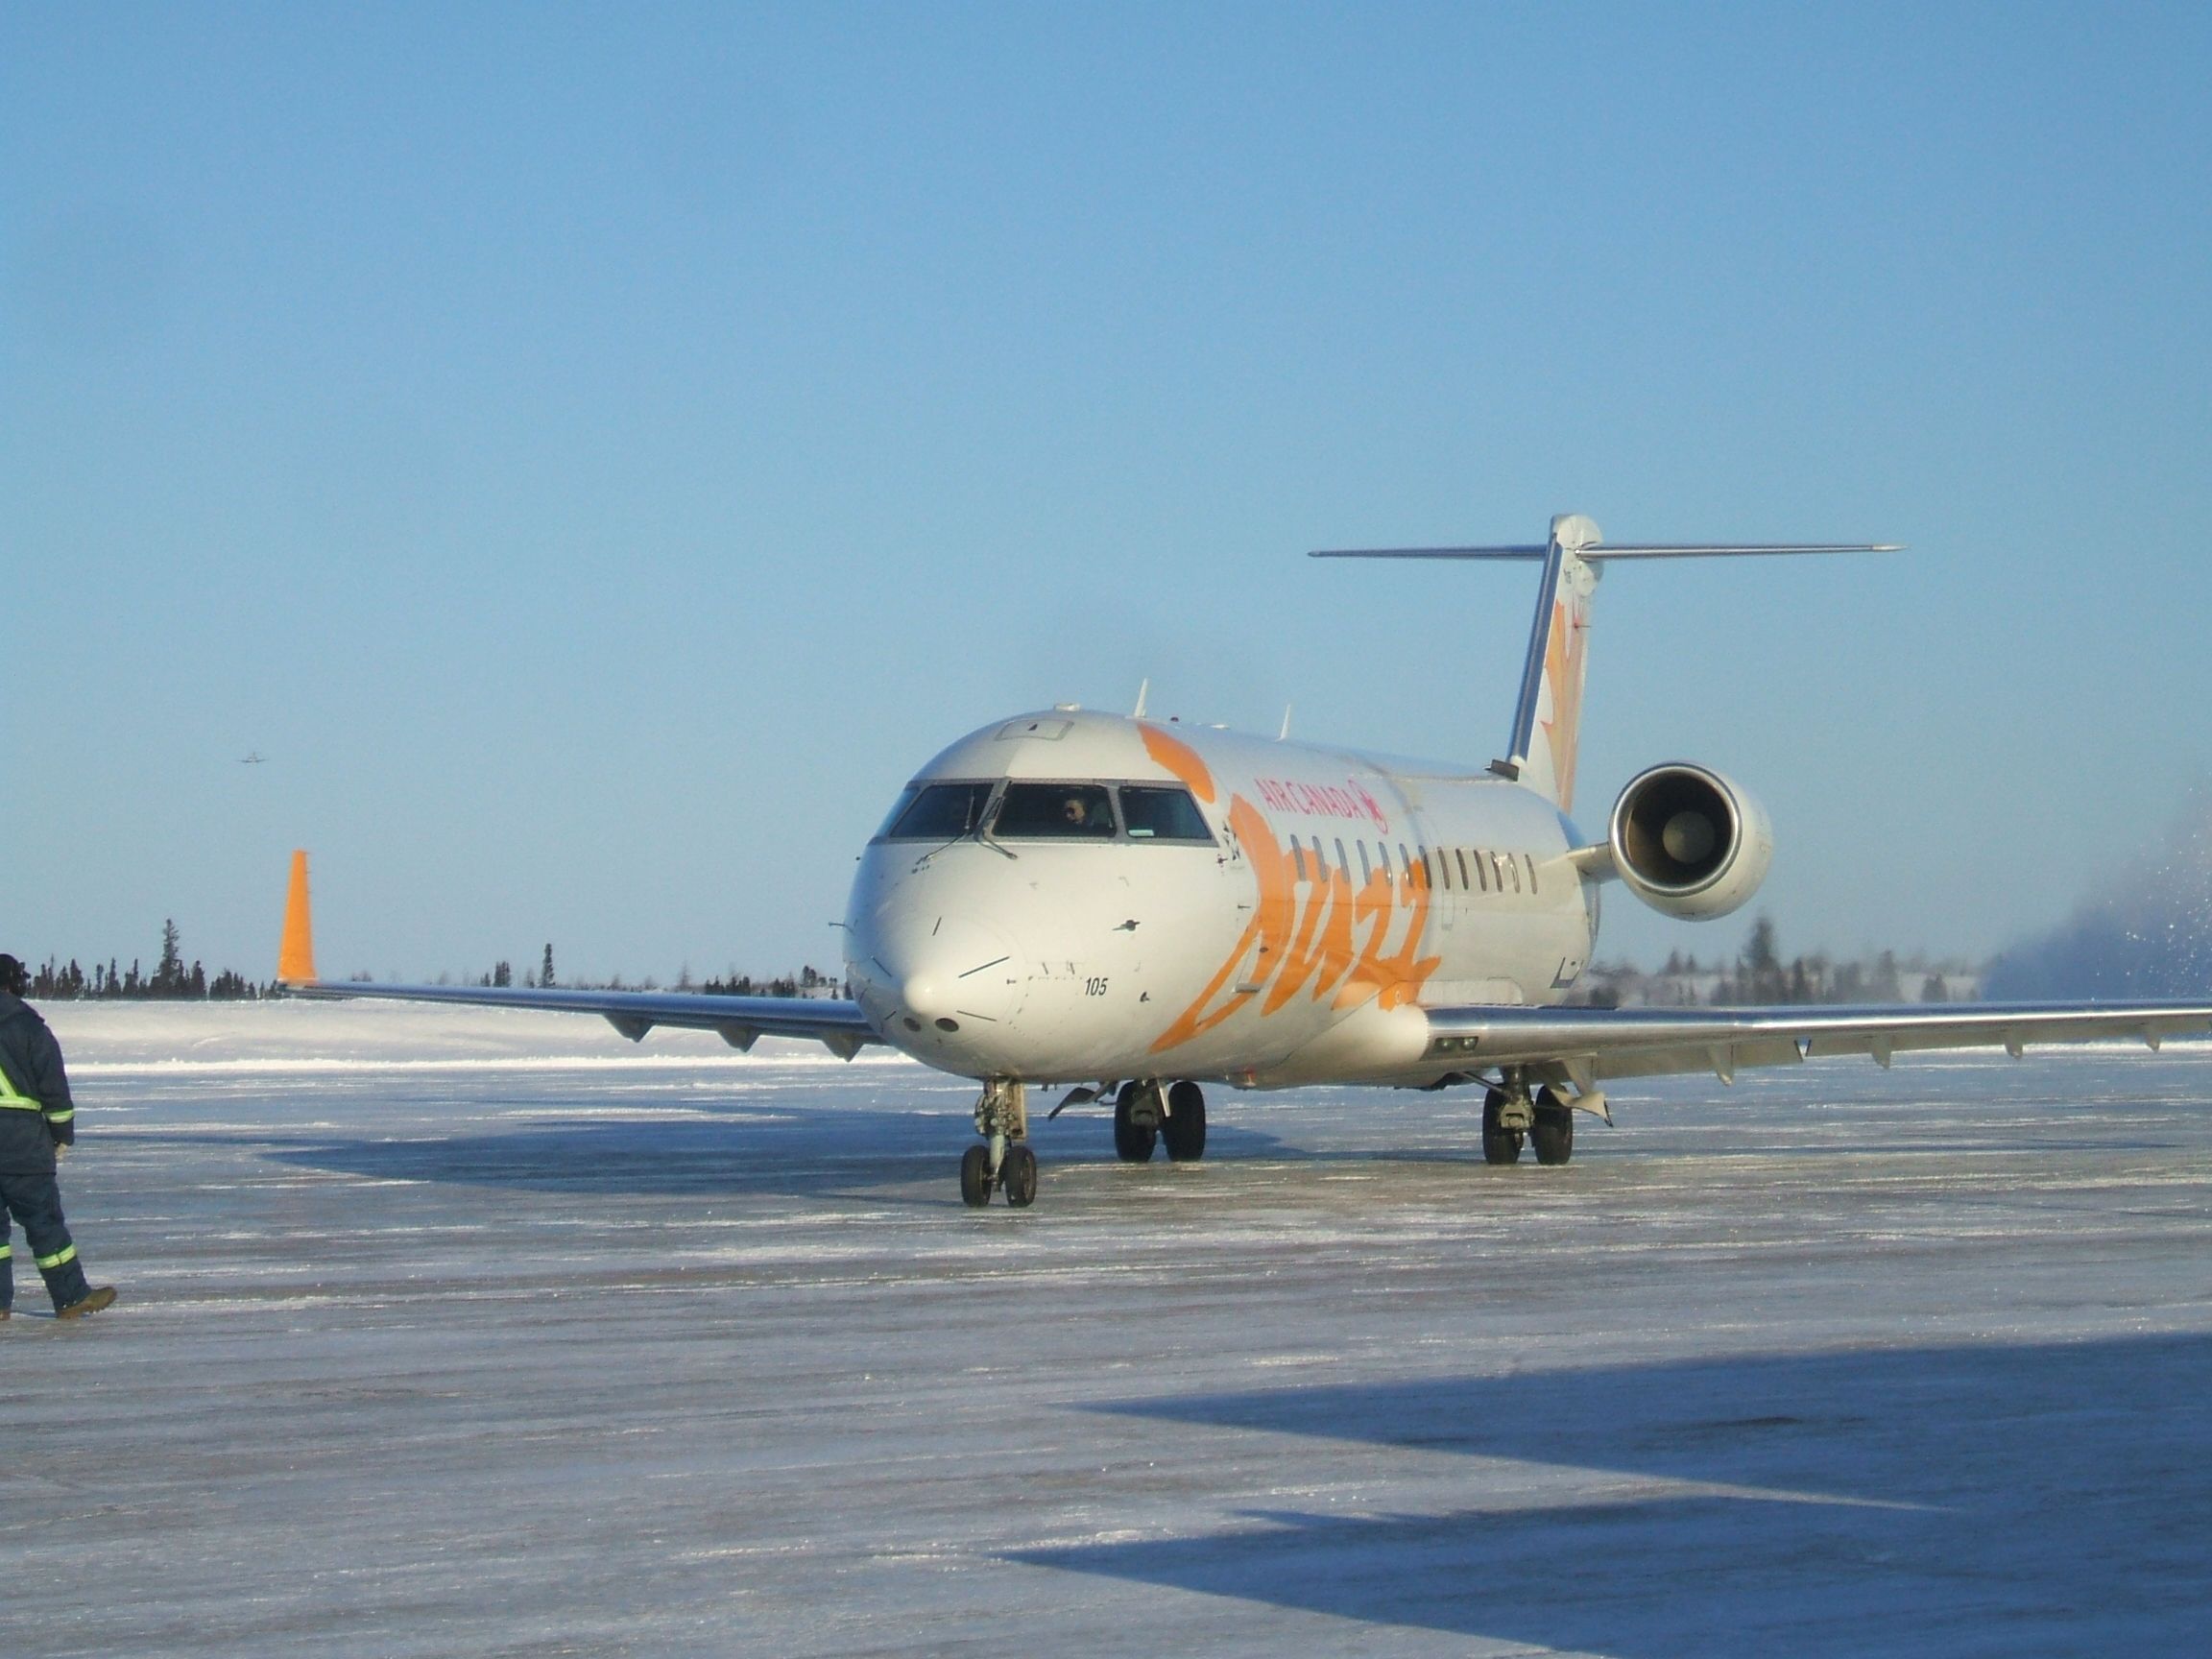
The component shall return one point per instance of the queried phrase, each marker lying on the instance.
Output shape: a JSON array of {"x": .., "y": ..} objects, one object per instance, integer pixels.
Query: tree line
[
  {"x": 171, "y": 980},
  {"x": 808, "y": 981},
  {"x": 1758, "y": 975}
]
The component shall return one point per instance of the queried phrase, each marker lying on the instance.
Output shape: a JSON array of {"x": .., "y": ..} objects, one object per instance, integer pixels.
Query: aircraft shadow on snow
[
  {"x": 2050, "y": 1498},
  {"x": 768, "y": 1149},
  {"x": 795, "y": 1146}
]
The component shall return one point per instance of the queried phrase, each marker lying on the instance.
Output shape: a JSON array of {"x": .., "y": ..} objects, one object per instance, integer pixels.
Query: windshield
[
  {"x": 1026, "y": 811},
  {"x": 1160, "y": 813},
  {"x": 1057, "y": 810},
  {"x": 937, "y": 812}
]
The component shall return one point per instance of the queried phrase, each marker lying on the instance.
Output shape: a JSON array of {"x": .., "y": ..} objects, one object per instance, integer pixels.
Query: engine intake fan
[{"x": 1689, "y": 842}]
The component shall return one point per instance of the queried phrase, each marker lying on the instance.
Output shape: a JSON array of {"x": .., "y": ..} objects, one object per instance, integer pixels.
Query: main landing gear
[
  {"x": 1510, "y": 1114},
  {"x": 1005, "y": 1162},
  {"x": 1143, "y": 1115}
]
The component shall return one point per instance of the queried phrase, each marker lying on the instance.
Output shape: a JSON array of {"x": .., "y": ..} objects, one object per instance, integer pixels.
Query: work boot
[
  {"x": 5, "y": 1311},
  {"x": 91, "y": 1302}
]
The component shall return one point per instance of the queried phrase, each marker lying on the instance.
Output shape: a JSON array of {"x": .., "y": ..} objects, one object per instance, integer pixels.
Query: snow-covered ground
[{"x": 469, "y": 1333}]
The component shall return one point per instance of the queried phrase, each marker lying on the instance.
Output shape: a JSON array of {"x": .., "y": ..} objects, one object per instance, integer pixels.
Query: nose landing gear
[{"x": 1004, "y": 1163}]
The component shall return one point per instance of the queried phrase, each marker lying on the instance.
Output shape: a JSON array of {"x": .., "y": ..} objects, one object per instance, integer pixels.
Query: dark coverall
[{"x": 35, "y": 1116}]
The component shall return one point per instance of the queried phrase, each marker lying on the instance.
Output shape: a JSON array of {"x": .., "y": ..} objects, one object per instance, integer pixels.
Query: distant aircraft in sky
[
  {"x": 1136, "y": 908},
  {"x": 256, "y": 758}
]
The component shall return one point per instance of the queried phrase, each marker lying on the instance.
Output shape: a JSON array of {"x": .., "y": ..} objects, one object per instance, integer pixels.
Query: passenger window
[
  {"x": 940, "y": 813},
  {"x": 1055, "y": 811},
  {"x": 1161, "y": 813},
  {"x": 1320, "y": 864},
  {"x": 1460, "y": 854},
  {"x": 1343, "y": 863},
  {"x": 1298, "y": 856},
  {"x": 1366, "y": 872}
]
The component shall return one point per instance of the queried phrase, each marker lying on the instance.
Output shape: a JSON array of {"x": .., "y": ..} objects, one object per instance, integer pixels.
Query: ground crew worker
[{"x": 36, "y": 1120}]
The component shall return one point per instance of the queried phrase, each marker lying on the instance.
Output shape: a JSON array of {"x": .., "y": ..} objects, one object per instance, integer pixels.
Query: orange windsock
[{"x": 296, "y": 956}]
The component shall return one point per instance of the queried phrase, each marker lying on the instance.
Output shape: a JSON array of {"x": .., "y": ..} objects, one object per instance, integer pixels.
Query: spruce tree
[{"x": 168, "y": 973}]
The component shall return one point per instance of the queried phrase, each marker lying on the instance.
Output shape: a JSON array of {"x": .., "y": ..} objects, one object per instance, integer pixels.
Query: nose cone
[{"x": 940, "y": 987}]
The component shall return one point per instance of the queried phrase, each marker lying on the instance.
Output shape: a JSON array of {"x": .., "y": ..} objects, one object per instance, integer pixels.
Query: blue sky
[{"x": 597, "y": 453}]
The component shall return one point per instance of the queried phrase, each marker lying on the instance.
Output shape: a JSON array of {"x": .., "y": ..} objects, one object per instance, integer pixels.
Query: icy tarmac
[{"x": 457, "y": 1333}]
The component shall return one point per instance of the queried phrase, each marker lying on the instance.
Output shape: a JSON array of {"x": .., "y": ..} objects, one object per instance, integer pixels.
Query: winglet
[{"x": 296, "y": 956}]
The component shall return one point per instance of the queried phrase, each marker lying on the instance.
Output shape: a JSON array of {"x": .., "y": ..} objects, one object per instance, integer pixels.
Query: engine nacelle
[{"x": 1690, "y": 843}]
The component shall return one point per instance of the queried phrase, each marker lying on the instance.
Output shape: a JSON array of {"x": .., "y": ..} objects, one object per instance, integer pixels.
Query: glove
[{"x": 61, "y": 1150}]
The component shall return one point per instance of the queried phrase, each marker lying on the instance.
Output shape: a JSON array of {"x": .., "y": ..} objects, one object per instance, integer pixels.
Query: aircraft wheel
[
  {"x": 1185, "y": 1130},
  {"x": 1554, "y": 1130},
  {"x": 1133, "y": 1142},
  {"x": 1017, "y": 1174},
  {"x": 975, "y": 1177},
  {"x": 1499, "y": 1145}
]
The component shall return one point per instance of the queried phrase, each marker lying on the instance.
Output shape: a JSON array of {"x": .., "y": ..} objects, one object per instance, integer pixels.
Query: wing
[
  {"x": 742, "y": 1020},
  {"x": 1588, "y": 1046}
]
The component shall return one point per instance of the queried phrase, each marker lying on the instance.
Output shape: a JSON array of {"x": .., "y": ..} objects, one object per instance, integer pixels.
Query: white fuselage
[{"x": 1293, "y": 938}]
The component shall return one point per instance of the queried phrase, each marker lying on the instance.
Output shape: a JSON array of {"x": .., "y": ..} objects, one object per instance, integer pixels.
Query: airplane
[
  {"x": 1133, "y": 909},
  {"x": 255, "y": 758}
]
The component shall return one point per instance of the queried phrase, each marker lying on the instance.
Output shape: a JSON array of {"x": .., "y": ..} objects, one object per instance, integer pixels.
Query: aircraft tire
[
  {"x": 1499, "y": 1145},
  {"x": 1185, "y": 1130},
  {"x": 1132, "y": 1144},
  {"x": 1018, "y": 1175},
  {"x": 975, "y": 1177},
  {"x": 1553, "y": 1134}
]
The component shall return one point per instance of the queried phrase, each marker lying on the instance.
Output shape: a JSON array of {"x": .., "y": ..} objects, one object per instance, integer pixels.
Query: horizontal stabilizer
[
  {"x": 1600, "y": 554},
  {"x": 1546, "y": 716}
]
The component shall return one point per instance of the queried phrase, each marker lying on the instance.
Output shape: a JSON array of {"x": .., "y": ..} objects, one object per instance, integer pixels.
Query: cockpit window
[
  {"x": 897, "y": 810},
  {"x": 1059, "y": 811},
  {"x": 938, "y": 812},
  {"x": 1162, "y": 814},
  {"x": 1078, "y": 811}
]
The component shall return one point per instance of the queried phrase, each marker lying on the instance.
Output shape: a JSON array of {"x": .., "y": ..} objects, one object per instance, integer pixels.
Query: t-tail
[{"x": 1548, "y": 715}]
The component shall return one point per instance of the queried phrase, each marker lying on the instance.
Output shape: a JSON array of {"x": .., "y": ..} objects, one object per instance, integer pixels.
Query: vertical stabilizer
[{"x": 1548, "y": 719}]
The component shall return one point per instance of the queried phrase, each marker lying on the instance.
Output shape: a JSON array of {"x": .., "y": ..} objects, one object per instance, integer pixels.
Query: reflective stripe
[
  {"x": 10, "y": 1096},
  {"x": 60, "y": 1258},
  {"x": 6, "y": 1251},
  {"x": 61, "y": 1117}
]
